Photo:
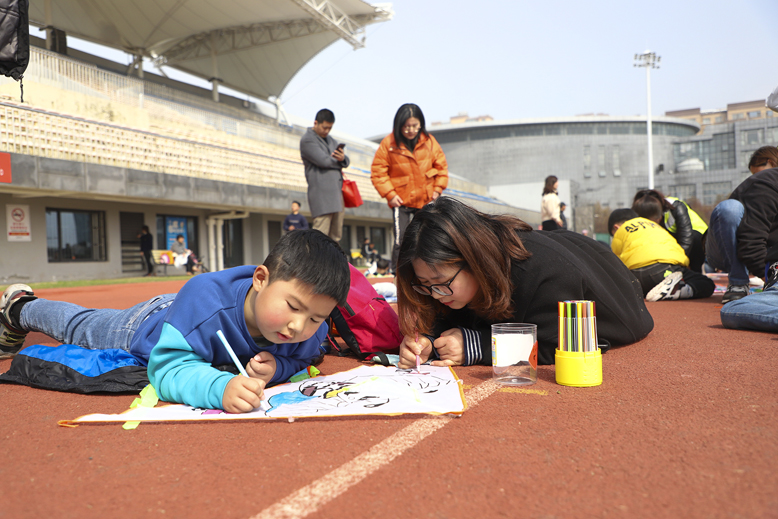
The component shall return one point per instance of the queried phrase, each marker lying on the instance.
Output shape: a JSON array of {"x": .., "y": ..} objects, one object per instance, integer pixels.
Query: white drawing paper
[{"x": 366, "y": 390}]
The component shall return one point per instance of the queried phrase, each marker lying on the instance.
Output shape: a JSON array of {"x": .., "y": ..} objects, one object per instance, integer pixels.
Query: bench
[{"x": 164, "y": 258}]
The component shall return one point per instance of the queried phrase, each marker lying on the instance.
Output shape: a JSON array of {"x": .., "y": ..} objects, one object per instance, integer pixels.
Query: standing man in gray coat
[{"x": 324, "y": 160}]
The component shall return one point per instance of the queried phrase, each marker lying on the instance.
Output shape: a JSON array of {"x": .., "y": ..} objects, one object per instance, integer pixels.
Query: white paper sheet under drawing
[{"x": 366, "y": 390}]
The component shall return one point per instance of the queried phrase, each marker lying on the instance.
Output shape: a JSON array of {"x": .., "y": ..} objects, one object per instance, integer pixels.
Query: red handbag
[{"x": 351, "y": 196}]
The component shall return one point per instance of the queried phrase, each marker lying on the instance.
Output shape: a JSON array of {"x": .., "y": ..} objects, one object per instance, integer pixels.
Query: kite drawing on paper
[{"x": 366, "y": 390}]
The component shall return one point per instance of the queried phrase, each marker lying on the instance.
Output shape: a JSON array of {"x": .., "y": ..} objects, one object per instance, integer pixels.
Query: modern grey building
[{"x": 600, "y": 160}]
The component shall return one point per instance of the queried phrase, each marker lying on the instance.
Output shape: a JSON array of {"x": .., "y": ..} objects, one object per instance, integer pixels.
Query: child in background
[
  {"x": 272, "y": 315},
  {"x": 380, "y": 269},
  {"x": 655, "y": 258}
]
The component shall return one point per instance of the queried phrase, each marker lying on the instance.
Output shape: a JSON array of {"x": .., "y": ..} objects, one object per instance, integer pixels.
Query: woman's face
[
  {"x": 556, "y": 185},
  {"x": 411, "y": 128},
  {"x": 464, "y": 287}
]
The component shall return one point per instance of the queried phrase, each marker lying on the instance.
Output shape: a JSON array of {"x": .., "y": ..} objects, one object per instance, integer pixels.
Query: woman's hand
[
  {"x": 396, "y": 201},
  {"x": 409, "y": 348},
  {"x": 451, "y": 348},
  {"x": 435, "y": 195}
]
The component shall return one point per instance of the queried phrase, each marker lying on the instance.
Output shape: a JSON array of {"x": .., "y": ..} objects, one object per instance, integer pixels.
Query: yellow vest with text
[{"x": 640, "y": 242}]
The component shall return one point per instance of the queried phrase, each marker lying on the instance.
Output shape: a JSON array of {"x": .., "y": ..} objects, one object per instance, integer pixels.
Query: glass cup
[{"x": 515, "y": 354}]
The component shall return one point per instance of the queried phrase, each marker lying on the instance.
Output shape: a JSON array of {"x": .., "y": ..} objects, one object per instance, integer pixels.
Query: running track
[{"x": 685, "y": 425}]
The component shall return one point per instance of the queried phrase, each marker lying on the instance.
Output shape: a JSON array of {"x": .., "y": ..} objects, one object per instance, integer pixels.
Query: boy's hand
[
  {"x": 451, "y": 348},
  {"x": 262, "y": 366},
  {"x": 242, "y": 394},
  {"x": 410, "y": 348}
]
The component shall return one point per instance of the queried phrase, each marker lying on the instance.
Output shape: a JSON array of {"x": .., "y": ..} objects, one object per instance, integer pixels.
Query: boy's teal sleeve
[{"x": 180, "y": 375}]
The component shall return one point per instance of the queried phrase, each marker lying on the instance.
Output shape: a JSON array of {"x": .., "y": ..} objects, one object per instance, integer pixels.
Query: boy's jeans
[
  {"x": 96, "y": 329},
  {"x": 754, "y": 312},
  {"x": 721, "y": 241}
]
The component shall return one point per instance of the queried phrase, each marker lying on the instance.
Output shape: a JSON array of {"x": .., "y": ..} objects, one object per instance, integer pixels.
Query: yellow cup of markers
[
  {"x": 578, "y": 368},
  {"x": 578, "y": 357}
]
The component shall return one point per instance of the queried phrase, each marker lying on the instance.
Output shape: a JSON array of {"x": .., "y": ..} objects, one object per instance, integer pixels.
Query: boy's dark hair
[
  {"x": 325, "y": 116},
  {"x": 620, "y": 216},
  {"x": 179, "y": 236},
  {"x": 313, "y": 258},
  {"x": 145, "y": 228},
  {"x": 382, "y": 264},
  {"x": 296, "y": 202}
]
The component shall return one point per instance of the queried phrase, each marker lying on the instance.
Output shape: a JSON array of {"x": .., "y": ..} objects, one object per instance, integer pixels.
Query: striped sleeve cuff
[{"x": 472, "y": 353}]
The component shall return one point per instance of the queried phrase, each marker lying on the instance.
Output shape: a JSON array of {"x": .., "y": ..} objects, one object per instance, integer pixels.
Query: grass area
[{"x": 93, "y": 282}]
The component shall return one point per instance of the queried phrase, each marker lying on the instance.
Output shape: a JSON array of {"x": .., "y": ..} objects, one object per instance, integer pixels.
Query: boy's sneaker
[
  {"x": 11, "y": 336},
  {"x": 735, "y": 292},
  {"x": 671, "y": 287}
]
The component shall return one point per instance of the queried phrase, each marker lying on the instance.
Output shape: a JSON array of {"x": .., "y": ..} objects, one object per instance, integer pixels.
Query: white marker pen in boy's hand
[{"x": 238, "y": 365}]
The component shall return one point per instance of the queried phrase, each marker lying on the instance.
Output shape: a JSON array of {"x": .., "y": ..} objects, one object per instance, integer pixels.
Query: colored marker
[{"x": 236, "y": 361}]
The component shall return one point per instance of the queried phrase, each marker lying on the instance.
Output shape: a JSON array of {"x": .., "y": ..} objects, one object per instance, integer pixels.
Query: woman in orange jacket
[{"x": 409, "y": 170}]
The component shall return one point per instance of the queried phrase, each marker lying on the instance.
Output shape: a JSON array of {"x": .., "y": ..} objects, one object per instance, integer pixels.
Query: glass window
[
  {"x": 754, "y": 115},
  {"x": 601, "y": 160},
  {"x": 75, "y": 235},
  {"x": 587, "y": 161},
  {"x": 719, "y": 118},
  {"x": 169, "y": 227},
  {"x": 748, "y": 137},
  {"x": 683, "y": 191},
  {"x": 715, "y": 192},
  {"x": 378, "y": 238},
  {"x": 706, "y": 120},
  {"x": 771, "y": 135},
  {"x": 616, "y": 161},
  {"x": 736, "y": 117}
]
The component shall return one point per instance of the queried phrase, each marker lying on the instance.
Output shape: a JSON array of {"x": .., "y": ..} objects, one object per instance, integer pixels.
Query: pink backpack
[{"x": 366, "y": 323}]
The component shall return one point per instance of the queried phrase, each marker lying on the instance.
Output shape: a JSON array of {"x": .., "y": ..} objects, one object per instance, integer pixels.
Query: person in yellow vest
[
  {"x": 655, "y": 258},
  {"x": 677, "y": 218}
]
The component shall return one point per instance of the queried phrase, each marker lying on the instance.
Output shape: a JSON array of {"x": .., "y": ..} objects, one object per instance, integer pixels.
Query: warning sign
[{"x": 18, "y": 219}]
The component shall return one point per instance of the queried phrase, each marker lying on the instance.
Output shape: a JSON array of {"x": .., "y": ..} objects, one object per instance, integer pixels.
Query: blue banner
[{"x": 175, "y": 225}]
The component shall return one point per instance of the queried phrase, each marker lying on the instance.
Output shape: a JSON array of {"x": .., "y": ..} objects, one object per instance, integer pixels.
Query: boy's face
[{"x": 284, "y": 311}]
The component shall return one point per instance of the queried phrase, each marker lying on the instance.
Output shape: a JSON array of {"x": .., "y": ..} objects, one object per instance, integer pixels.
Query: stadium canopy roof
[{"x": 252, "y": 46}]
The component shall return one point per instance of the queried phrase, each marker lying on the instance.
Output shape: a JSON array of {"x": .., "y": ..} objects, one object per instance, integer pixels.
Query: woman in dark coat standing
[{"x": 461, "y": 270}]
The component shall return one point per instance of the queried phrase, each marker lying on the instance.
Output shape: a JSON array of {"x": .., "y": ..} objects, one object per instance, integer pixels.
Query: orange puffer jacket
[{"x": 413, "y": 176}]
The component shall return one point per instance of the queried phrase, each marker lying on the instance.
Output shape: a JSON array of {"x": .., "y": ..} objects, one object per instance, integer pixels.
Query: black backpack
[{"x": 14, "y": 38}]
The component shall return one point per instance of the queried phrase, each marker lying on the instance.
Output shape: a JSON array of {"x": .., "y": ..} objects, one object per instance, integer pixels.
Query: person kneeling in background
[{"x": 655, "y": 258}]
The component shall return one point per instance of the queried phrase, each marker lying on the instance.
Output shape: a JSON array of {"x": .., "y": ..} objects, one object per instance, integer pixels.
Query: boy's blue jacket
[{"x": 181, "y": 348}]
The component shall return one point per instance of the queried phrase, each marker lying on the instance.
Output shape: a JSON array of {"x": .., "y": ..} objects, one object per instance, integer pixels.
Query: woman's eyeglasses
[
  {"x": 411, "y": 129},
  {"x": 442, "y": 289}
]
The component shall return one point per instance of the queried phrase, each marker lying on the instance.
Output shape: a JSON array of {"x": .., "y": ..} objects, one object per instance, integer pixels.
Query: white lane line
[{"x": 310, "y": 498}]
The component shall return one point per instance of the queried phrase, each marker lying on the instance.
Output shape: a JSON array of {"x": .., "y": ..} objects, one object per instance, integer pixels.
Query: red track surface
[{"x": 685, "y": 424}]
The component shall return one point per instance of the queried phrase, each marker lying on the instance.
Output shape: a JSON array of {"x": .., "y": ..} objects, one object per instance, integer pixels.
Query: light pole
[{"x": 648, "y": 60}]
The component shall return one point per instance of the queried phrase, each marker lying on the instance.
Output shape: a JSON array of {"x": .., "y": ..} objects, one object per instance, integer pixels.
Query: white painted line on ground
[{"x": 308, "y": 499}]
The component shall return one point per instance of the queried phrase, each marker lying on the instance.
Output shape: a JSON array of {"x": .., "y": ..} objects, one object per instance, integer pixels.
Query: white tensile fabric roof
[{"x": 259, "y": 44}]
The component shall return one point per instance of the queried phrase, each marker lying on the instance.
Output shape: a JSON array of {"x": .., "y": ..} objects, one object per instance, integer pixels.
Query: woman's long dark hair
[
  {"x": 448, "y": 232},
  {"x": 403, "y": 114},
  {"x": 549, "y": 187},
  {"x": 651, "y": 204}
]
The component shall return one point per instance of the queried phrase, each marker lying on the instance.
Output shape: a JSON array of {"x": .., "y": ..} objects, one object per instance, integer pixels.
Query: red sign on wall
[{"x": 5, "y": 168}]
